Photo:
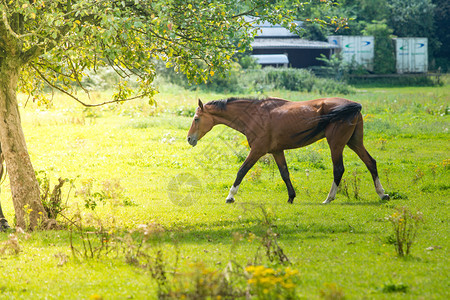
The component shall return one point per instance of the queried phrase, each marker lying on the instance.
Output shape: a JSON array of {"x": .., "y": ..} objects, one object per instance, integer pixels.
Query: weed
[
  {"x": 433, "y": 169},
  {"x": 343, "y": 188},
  {"x": 110, "y": 190},
  {"x": 94, "y": 244},
  {"x": 331, "y": 291},
  {"x": 419, "y": 174},
  {"x": 394, "y": 288},
  {"x": 201, "y": 283},
  {"x": 270, "y": 283},
  {"x": 62, "y": 258},
  {"x": 355, "y": 183},
  {"x": 382, "y": 142},
  {"x": 405, "y": 225},
  {"x": 255, "y": 173},
  {"x": 268, "y": 241},
  {"x": 86, "y": 188},
  {"x": 10, "y": 246},
  {"x": 90, "y": 202},
  {"x": 387, "y": 173},
  {"x": 433, "y": 188},
  {"x": 27, "y": 211},
  {"x": 398, "y": 195},
  {"x": 52, "y": 201}
]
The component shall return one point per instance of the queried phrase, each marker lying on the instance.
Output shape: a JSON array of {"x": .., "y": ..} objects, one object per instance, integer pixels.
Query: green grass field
[{"x": 127, "y": 160}]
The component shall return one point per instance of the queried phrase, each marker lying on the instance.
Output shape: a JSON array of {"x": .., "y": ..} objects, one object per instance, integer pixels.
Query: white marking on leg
[
  {"x": 233, "y": 191},
  {"x": 379, "y": 189},
  {"x": 331, "y": 194}
]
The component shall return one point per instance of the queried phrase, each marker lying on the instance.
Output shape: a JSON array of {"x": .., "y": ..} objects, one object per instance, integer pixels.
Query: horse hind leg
[
  {"x": 356, "y": 144},
  {"x": 337, "y": 135}
]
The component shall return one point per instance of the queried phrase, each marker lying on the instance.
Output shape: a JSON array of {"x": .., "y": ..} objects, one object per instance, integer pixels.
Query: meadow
[{"x": 145, "y": 214}]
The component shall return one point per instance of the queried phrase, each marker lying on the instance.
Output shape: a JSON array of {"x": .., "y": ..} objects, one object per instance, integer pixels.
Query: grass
[{"x": 132, "y": 152}]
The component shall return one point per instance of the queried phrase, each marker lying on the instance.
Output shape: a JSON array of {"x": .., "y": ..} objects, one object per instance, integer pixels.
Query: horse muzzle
[{"x": 192, "y": 140}]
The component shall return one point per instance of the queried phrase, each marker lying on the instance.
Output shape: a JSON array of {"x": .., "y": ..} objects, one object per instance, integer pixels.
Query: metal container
[
  {"x": 355, "y": 49},
  {"x": 411, "y": 55}
]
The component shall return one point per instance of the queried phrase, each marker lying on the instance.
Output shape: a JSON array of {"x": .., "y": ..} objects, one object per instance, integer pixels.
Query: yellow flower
[{"x": 288, "y": 285}]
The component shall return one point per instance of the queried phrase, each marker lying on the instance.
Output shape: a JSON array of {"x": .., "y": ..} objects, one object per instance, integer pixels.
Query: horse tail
[{"x": 346, "y": 112}]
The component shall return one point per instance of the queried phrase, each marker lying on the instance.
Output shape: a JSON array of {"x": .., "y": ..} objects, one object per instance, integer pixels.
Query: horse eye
[{"x": 197, "y": 119}]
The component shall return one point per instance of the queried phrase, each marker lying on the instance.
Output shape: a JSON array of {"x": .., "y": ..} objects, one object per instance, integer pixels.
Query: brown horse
[{"x": 273, "y": 125}]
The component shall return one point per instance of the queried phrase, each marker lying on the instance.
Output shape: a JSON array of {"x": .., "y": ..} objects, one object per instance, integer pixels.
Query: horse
[
  {"x": 3, "y": 222},
  {"x": 272, "y": 125}
]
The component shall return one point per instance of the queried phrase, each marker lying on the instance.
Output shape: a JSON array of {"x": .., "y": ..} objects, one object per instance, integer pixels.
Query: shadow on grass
[{"x": 346, "y": 203}]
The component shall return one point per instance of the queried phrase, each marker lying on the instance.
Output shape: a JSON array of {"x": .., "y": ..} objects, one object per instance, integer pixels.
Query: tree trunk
[{"x": 24, "y": 186}]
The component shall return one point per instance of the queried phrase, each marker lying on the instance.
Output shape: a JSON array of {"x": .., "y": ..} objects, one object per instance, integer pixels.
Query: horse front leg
[
  {"x": 249, "y": 162},
  {"x": 284, "y": 172}
]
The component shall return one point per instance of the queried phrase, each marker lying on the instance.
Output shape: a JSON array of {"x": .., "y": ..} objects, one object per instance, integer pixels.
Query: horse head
[{"x": 202, "y": 123}]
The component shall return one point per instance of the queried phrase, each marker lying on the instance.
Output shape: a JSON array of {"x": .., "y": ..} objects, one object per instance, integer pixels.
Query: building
[{"x": 277, "y": 46}]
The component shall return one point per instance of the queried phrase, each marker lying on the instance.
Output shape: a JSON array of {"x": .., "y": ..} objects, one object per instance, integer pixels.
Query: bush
[
  {"x": 329, "y": 86},
  {"x": 290, "y": 79},
  {"x": 302, "y": 80},
  {"x": 246, "y": 76}
]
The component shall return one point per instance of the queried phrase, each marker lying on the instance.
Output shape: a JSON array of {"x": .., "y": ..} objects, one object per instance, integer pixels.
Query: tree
[
  {"x": 384, "y": 56},
  {"x": 442, "y": 15},
  {"x": 411, "y": 18},
  {"x": 54, "y": 43},
  {"x": 414, "y": 18}
]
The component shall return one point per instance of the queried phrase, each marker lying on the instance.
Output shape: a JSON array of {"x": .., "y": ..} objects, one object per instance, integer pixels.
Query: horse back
[{"x": 292, "y": 123}]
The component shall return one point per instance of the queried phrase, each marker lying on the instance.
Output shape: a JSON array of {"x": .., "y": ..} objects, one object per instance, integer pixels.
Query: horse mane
[{"x": 222, "y": 104}]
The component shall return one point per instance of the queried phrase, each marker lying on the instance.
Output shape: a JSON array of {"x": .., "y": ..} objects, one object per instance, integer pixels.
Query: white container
[
  {"x": 411, "y": 55},
  {"x": 358, "y": 49}
]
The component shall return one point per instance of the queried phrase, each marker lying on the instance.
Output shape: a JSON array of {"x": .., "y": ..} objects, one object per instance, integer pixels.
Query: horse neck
[{"x": 236, "y": 115}]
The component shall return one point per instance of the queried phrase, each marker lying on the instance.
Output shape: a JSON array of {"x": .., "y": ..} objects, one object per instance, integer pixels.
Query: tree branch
[{"x": 53, "y": 86}]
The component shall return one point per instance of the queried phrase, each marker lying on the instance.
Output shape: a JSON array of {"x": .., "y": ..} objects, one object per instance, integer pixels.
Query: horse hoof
[
  {"x": 231, "y": 200},
  {"x": 291, "y": 200},
  {"x": 385, "y": 197},
  {"x": 326, "y": 201}
]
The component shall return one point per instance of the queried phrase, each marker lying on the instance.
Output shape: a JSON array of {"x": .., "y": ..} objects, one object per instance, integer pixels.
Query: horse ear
[{"x": 200, "y": 104}]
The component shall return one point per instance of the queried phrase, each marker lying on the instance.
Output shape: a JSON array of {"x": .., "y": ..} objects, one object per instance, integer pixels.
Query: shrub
[
  {"x": 240, "y": 79},
  {"x": 290, "y": 79},
  {"x": 302, "y": 80},
  {"x": 330, "y": 86}
]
